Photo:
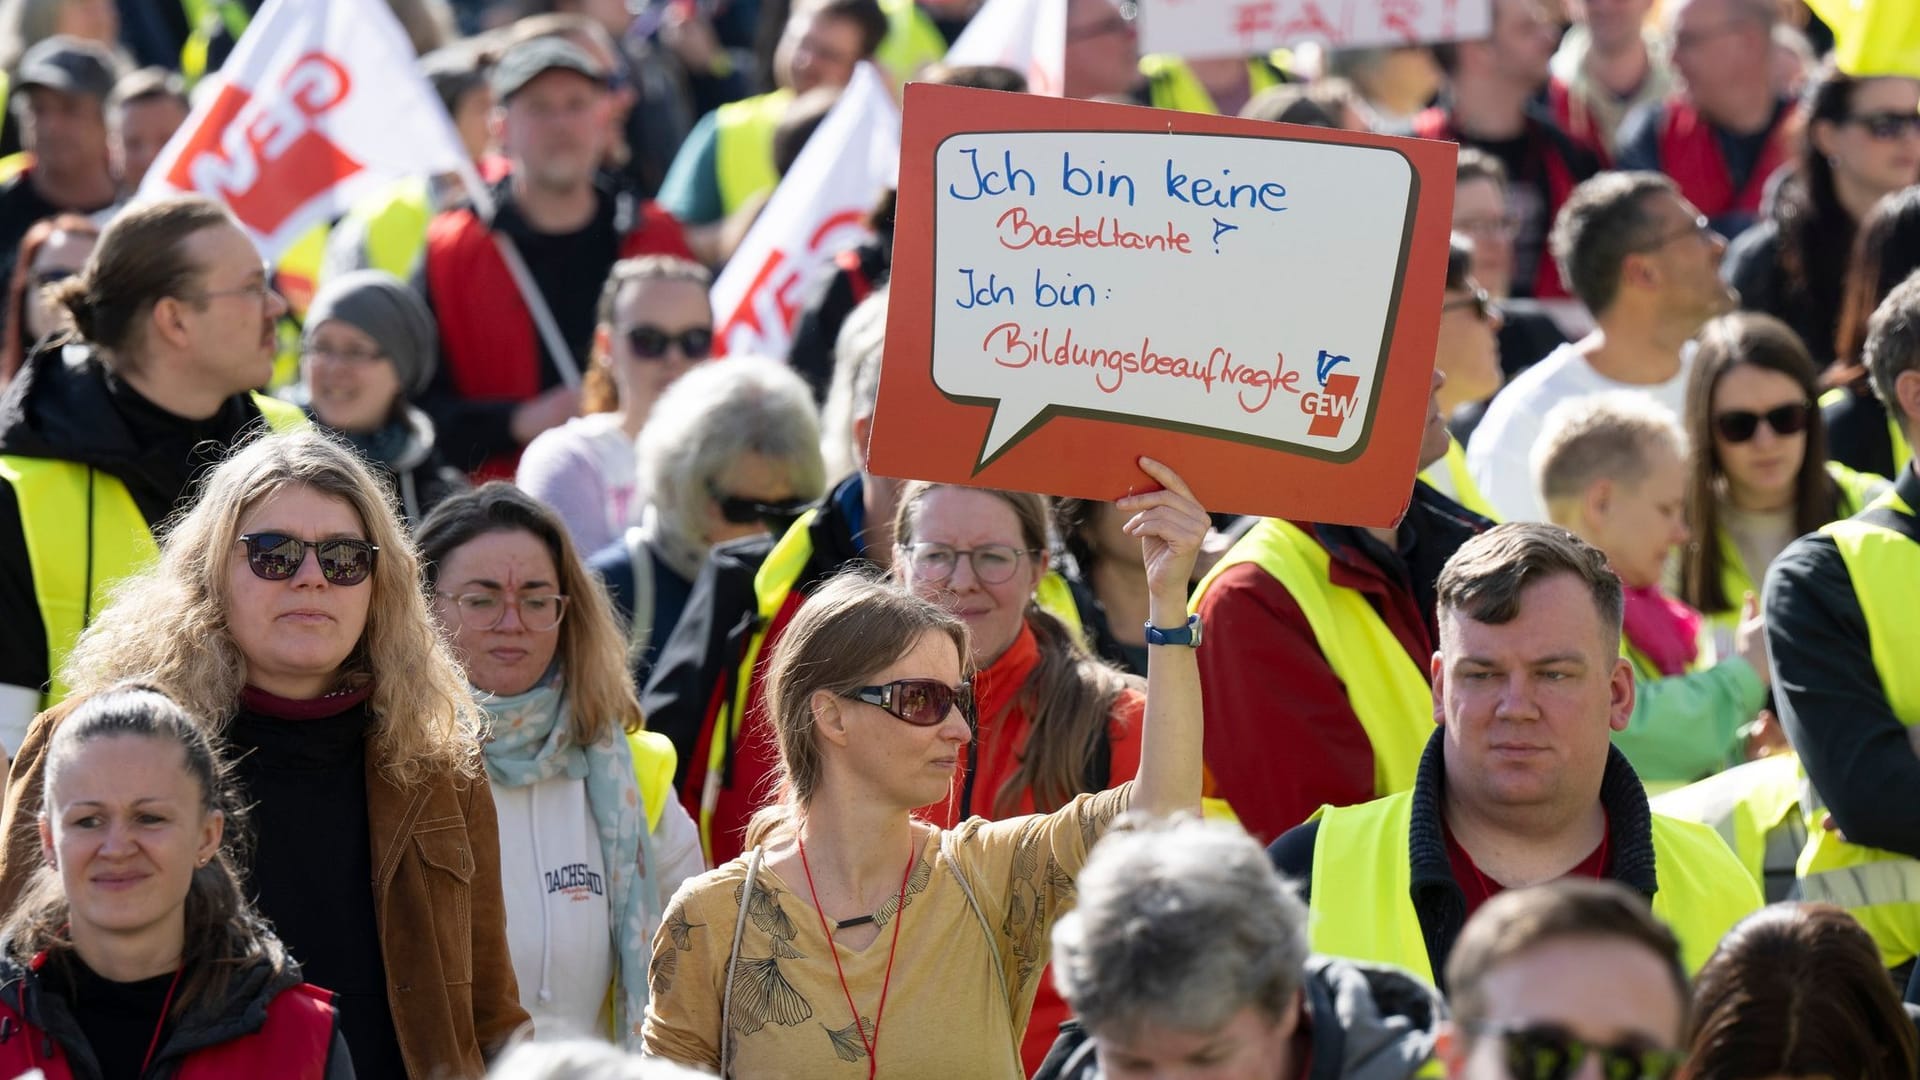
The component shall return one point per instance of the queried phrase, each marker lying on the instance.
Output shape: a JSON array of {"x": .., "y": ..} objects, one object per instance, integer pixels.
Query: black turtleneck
[
  {"x": 121, "y": 1020},
  {"x": 302, "y": 766}
]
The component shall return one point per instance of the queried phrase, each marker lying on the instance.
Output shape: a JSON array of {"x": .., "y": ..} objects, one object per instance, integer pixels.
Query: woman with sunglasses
[
  {"x": 1468, "y": 354},
  {"x": 369, "y": 346},
  {"x": 1862, "y": 142},
  {"x": 53, "y": 250},
  {"x": 134, "y": 946},
  {"x": 732, "y": 450},
  {"x": 594, "y": 843},
  {"x": 655, "y": 325},
  {"x": 856, "y": 935},
  {"x": 285, "y": 612},
  {"x": 1758, "y": 474}
]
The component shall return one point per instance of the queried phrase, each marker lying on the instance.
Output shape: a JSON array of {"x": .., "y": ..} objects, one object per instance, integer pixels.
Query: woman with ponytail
[{"x": 133, "y": 953}]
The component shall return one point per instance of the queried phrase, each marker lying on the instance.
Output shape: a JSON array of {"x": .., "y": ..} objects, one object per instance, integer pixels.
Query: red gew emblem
[
  {"x": 262, "y": 155},
  {"x": 1331, "y": 407}
]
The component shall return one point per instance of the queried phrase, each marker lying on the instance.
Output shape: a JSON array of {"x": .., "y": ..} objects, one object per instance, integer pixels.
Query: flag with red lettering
[
  {"x": 319, "y": 104},
  {"x": 818, "y": 211},
  {"x": 1029, "y": 36}
]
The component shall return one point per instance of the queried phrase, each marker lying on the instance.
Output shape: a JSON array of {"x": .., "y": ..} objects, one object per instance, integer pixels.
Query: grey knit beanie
[{"x": 391, "y": 313}]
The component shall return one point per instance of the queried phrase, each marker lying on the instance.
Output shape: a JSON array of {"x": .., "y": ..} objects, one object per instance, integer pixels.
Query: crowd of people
[{"x": 430, "y": 654}]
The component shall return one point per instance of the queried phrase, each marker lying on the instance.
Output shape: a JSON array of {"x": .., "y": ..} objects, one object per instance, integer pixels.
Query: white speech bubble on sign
[{"x": 1239, "y": 287}]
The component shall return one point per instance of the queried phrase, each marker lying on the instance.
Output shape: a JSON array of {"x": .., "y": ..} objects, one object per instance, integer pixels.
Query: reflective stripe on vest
[
  {"x": 1362, "y": 905},
  {"x": 653, "y": 764},
  {"x": 1456, "y": 482},
  {"x": 912, "y": 41},
  {"x": 1878, "y": 888},
  {"x": 1171, "y": 84},
  {"x": 1389, "y": 692},
  {"x": 84, "y": 535},
  {"x": 743, "y": 147},
  {"x": 1755, "y": 808}
]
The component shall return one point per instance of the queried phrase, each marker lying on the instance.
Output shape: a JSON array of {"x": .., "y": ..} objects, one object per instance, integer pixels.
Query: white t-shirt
[
  {"x": 585, "y": 471},
  {"x": 1499, "y": 455}
]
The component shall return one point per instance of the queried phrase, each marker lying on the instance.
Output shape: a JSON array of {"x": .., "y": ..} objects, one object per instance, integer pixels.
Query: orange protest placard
[{"x": 1076, "y": 284}]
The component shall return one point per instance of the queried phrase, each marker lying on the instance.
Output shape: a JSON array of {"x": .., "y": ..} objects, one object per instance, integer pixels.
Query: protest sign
[
  {"x": 1076, "y": 284},
  {"x": 319, "y": 104},
  {"x": 819, "y": 210},
  {"x": 1208, "y": 28}
]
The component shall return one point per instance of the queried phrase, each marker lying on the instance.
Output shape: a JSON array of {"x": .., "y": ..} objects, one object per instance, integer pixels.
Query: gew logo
[{"x": 1331, "y": 407}]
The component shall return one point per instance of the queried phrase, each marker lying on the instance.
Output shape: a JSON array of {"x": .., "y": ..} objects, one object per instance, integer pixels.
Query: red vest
[
  {"x": 293, "y": 1043},
  {"x": 1437, "y": 123},
  {"x": 487, "y": 337},
  {"x": 1689, "y": 154},
  {"x": 1577, "y": 120}
]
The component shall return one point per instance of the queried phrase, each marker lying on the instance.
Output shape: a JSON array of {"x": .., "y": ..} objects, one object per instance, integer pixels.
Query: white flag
[
  {"x": 1029, "y": 36},
  {"x": 319, "y": 104},
  {"x": 818, "y": 211}
]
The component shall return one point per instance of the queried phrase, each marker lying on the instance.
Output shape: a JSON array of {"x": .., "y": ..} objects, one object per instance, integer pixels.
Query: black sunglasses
[
  {"x": 920, "y": 702},
  {"x": 741, "y": 510},
  {"x": 1548, "y": 1052},
  {"x": 277, "y": 557},
  {"x": 1482, "y": 304},
  {"x": 1887, "y": 125},
  {"x": 1739, "y": 425},
  {"x": 651, "y": 342}
]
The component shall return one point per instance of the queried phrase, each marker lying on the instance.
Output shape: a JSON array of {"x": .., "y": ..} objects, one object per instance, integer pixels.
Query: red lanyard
[
  {"x": 160, "y": 1025},
  {"x": 899, "y": 916}
]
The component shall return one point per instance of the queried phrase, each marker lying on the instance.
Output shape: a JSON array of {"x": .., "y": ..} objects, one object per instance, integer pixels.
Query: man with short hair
[
  {"x": 102, "y": 436},
  {"x": 59, "y": 97},
  {"x": 1561, "y": 975},
  {"x": 1612, "y": 469},
  {"x": 1728, "y": 130},
  {"x": 145, "y": 109},
  {"x": 499, "y": 384},
  {"x": 1646, "y": 263},
  {"x": 1491, "y": 106},
  {"x": 1521, "y": 784},
  {"x": 1846, "y": 670},
  {"x": 1609, "y": 63},
  {"x": 1184, "y": 947}
]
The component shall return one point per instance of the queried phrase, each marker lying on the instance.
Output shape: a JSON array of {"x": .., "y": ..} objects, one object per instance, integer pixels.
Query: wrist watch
[{"x": 1183, "y": 635}]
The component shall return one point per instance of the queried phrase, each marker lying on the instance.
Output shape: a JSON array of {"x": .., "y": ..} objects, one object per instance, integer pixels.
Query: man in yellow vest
[
  {"x": 102, "y": 434},
  {"x": 1846, "y": 661},
  {"x": 1556, "y": 976},
  {"x": 727, "y": 159},
  {"x": 1521, "y": 784},
  {"x": 1315, "y": 675}
]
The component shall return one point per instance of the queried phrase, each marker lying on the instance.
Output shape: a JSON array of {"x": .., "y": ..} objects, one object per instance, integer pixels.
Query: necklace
[{"x": 899, "y": 916}]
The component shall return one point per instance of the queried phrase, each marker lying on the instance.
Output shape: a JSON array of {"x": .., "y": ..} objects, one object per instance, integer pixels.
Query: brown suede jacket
[{"x": 443, "y": 928}]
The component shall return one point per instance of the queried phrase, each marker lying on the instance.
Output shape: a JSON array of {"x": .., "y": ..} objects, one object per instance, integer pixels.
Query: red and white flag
[
  {"x": 319, "y": 104},
  {"x": 1029, "y": 36},
  {"x": 818, "y": 211}
]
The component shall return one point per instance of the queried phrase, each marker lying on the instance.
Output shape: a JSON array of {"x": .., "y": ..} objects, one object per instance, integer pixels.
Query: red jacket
[
  {"x": 1691, "y": 156},
  {"x": 1577, "y": 120},
  {"x": 488, "y": 341}
]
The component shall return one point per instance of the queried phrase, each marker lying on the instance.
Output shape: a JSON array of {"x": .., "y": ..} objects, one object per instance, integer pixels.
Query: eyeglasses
[
  {"x": 539, "y": 612},
  {"x": 1700, "y": 226},
  {"x": 278, "y": 557},
  {"x": 651, "y": 342},
  {"x": 1115, "y": 23},
  {"x": 742, "y": 510},
  {"x": 1489, "y": 226},
  {"x": 1739, "y": 425},
  {"x": 1548, "y": 1052},
  {"x": 351, "y": 356},
  {"x": 259, "y": 291},
  {"x": 993, "y": 564},
  {"x": 1888, "y": 125},
  {"x": 1482, "y": 304},
  {"x": 920, "y": 702}
]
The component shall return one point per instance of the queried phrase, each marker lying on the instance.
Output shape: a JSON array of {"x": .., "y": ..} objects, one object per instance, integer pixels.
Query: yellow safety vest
[
  {"x": 776, "y": 579},
  {"x": 1456, "y": 482},
  {"x": 1755, "y": 808},
  {"x": 296, "y": 277},
  {"x": 396, "y": 226},
  {"x": 1388, "y": 690},
  {"x": 1878, "y": 888},
  {"x": 1362, "y": 904},
  {"x": 653, "y": 764},
  {"x": 1902, "y": 453},
  {"x": 1856, "y": 489},
  {"x": 1171, "y": 84},
  {"x": 912, "y": 41},
  {"x": 84, "y": 535},
  {"x": 743, "y": 147},
  {"x": 207, "y": 18}
]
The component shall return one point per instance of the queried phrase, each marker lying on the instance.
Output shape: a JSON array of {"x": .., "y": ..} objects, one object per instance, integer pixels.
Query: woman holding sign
[{"x": 820, "y": 940}]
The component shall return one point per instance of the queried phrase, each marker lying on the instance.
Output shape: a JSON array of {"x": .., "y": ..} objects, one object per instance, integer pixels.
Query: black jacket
[
  {"x": 1437, "y": 898},
  {"x": 32, "y": 994}
]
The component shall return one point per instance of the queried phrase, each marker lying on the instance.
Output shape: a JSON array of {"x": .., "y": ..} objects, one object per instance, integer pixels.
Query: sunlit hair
[
  {"x": 849, "y": 630},
  {"x": 1612, "y": 436},
  {"x": 1067, "y": 697},
  {"x": 1798, "y": 990},
  {"x": 592, "y": 650},
  {"x": 168, "y": 624},
  {"x": 223, "y": 934},
  {"x": 855, "y": 387},
  {"x": 598, "y": 392}
]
